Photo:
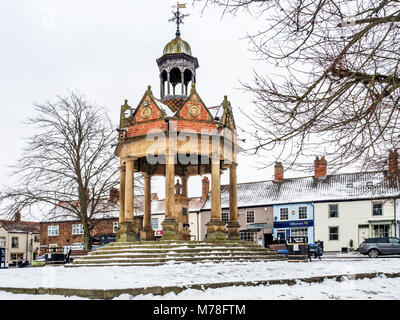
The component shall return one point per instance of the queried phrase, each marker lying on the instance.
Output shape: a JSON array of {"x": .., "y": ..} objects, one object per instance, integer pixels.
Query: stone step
[
  {"x": 180, "y": 250},
  {"x": 164, "y": 252},
  {"x": 176, "y": 254},
  {"x": 178, "y": 258}
]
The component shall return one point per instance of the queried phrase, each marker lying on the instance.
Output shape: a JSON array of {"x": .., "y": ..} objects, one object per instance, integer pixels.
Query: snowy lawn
[
  {"x": 114, "y": 277},
  {"x": 376, "y": 289}
]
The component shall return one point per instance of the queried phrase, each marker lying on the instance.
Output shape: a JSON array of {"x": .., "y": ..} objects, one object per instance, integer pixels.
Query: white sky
[{"x": 107, "y": 51}]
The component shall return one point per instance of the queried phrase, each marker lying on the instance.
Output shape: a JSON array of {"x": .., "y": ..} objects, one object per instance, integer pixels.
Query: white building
[{"x": 21, "y": 239}]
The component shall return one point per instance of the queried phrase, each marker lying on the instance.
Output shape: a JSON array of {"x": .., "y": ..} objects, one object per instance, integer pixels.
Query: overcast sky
[{"x": 107, "y": 50}]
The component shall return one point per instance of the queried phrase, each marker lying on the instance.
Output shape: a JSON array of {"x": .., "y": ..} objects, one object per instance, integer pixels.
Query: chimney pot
[
  {"x": 320, "y": 167},
  {"x": 18, "y": 217},
  {"x": 278, "y": 171},
  {"x": 393, "y": 162},
  {"x": 205, "y": 188}
]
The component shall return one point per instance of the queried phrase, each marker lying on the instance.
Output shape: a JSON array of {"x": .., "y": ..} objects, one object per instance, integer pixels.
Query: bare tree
[
  {"x": 333, "y": 81},
  {"x": 67, "y": 164}
]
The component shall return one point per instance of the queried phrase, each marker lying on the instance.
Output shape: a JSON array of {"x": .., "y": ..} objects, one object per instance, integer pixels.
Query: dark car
[{"x": 375, "y": 247}]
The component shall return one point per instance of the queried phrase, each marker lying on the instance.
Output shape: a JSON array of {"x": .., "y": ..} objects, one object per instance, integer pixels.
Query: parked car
[{"x": 375, "y": 247}]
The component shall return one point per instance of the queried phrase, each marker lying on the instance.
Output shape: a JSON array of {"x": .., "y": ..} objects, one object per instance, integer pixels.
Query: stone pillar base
[
  {"x": 147, "y": 235},
  {"x": 127, "y": 232},
  {"x": 216, "y": 231},
  {"x": 169, "y": 229},
  {"x": 233, "y": 230}
]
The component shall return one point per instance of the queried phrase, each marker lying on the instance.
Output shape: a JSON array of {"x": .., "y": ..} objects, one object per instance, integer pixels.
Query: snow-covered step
[{"x": 150, "y": 253}]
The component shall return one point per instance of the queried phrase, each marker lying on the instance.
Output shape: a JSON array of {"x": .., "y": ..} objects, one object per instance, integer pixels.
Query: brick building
[{"x": 60, "y": 229}]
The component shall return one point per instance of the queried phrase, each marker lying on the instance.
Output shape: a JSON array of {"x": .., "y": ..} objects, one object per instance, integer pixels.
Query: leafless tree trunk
[
  {"x": 333, "y": 81},
  {"x": 67, "y": 164}
]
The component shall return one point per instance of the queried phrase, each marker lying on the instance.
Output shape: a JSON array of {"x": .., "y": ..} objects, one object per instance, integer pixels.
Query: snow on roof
[
  {"x": 22, "y": 226},
  {"x": 348, "y": 186},
  {"x": 158, "y": 206},
  {"x": 165, "y": 108},
  {"x": 110, "y": 210}
]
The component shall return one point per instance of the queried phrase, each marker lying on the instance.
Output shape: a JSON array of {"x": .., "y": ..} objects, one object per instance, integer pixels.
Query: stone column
[
  {"x": 183, "y": 82},
  {"x": 216, "y": 228},
  {"x": 185, "y": 186},
  {"x": 129, "y": 185},
  {"x": 233, "y": 225},
  {"x": 169, "y": 82},
  {"x": 128, "y": 230},
  {"x": 161, "y": 87},
  {"x": 147, "y": 233},
  {"x": 122, "y": 194},
  {"x": 169, "y": 224}
]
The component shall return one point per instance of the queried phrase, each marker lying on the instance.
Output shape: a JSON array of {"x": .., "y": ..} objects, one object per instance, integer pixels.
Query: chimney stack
[
  {"x": 18, "y": 217},
  {"x": 278, "y": 171},
  {"x": 205, "y": 188},
  {"x": 114, "y": 195},
  {"x": 393, "y": 163},
  {"x": 320, "y": 167}
]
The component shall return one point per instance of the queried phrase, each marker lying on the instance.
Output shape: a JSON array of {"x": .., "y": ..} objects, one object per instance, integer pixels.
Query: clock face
[
  {"x": 146, "y": 113},
  {"x": 194, "y": 111}
]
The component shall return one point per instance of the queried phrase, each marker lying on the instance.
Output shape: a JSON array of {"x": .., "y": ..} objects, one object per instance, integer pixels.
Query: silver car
[{"x": 375, "y": 247}]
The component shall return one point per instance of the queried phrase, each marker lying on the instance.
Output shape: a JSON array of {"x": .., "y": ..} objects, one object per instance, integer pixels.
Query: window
[
  {"x": 377, "y": 209},
  {"x": 52, "y": 230},
  {"x": 302, "y": 212},
  {"x": 299, "y": 232},
  {"x": 394, "y": 240},
  {"x": 115, "y": 226},
  {"x": 14, "y": 242},
  {"x": 53, "y": 247},
  {"x": 248, "y": 236},
  {"x": 154, "y": 223},
  {"x": 333, "y": 233},
  {"x": 380, "y": 230},
  {"x": 370, "y": 184},
  {"x": 284, "y": 213},
  {"x": 225, "y": 217},
  {"x": 349, "y": 185},
  {"x": 77, "y": 229},
  {"x": 17, "y": 256},
  {"x": 250, "y": 216},
  {"x": 333, "y": 211},
  {"x": 2, "y": 242}
]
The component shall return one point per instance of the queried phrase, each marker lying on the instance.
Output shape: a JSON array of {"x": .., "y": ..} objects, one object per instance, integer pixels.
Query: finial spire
[{"x": 178, "y": 17}]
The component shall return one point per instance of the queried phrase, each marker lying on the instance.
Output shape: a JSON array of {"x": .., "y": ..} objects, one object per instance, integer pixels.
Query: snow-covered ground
[
  {"x": 114, "y": 277},
  {"x": 377, "y": 288}
]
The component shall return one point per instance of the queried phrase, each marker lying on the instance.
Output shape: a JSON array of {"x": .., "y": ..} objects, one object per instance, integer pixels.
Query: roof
[
  {"x": 348, "y": 186},
  {"x": 174, "y": 102},
  {"x": 158, "y": 206},
  {"x": 22, "y": 226},
  {"x": 177, "y": 45}
]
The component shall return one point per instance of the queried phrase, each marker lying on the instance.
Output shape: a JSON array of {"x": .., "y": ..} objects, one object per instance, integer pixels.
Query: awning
[
  {"x": 381, "y": 221},
  {"x": 258, "y": 226}
]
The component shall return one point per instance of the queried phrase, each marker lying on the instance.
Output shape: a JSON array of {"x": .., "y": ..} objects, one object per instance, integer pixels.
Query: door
[
  {"x": 394, "y": 245},
  {"x": 383, "y": 245},
  {"x": 281, "y": 235},
  {"x": 363, "y": 233},
  {"x": 268, "y": 239}
]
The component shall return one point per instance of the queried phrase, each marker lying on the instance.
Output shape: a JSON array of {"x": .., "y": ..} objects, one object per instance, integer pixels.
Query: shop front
[{"x": 283, "y": 230}]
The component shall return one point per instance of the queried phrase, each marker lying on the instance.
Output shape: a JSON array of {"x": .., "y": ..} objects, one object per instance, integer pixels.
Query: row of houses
[{"x": 339, "y": 209}]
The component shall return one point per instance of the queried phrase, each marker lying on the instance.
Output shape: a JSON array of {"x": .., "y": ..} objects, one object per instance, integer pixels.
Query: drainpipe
[
  {"x": 313, "y": 209},
  {"x": 198, "y": 229}
]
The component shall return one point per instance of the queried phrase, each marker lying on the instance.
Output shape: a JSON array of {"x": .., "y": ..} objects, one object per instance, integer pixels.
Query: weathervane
[{"x": 178, "y": 17}]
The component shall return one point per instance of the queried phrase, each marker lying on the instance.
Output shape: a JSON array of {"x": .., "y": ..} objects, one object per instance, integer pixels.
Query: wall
[
  {"x": 104, "y": 226},
  {"x": 293, "y": 210},
  {"x": 261, "y": 215},
  {"x": 351, "y": 215},
  {"x": 24, "y": 241}
]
